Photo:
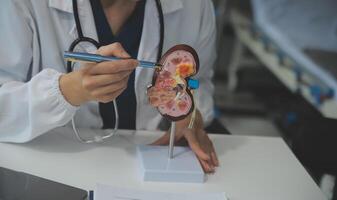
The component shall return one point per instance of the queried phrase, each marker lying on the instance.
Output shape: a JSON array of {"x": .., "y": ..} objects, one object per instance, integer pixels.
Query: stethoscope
[{"x": 82, "y": 39}]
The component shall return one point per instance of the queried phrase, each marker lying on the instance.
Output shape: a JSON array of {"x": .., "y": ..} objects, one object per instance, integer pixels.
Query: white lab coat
[{"x": 33, "y": 36}]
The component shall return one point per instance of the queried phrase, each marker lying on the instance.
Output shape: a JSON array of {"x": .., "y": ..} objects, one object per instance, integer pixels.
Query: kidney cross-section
[{"x": 169, "y": 91}]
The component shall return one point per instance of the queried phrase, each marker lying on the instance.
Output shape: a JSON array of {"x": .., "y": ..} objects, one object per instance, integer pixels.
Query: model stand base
[{"x": 157, "y": 166}]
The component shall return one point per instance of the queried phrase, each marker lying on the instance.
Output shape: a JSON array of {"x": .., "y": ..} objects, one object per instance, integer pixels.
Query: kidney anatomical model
[{"x": 170, "y": 91}]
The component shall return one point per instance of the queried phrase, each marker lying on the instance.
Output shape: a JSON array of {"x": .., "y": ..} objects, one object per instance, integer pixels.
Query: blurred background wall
[{"x": 276, "y": 75}]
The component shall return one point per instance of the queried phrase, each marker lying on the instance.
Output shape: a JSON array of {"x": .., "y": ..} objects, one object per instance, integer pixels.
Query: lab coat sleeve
[
  {"x": 206, "y": 49},
  {"x": 29, "y": 106}
]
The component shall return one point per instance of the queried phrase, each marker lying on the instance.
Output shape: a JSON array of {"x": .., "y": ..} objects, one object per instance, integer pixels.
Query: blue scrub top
[{"x": 129, "y": 36}]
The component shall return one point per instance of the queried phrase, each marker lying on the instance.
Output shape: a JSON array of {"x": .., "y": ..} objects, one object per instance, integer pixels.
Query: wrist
[{"x": 71, "y": 88}]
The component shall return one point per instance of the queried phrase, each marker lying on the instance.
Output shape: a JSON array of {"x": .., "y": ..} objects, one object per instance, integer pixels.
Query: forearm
[
  {"x": 33, "y": 108},
  {"x": 206, "y": 48}
]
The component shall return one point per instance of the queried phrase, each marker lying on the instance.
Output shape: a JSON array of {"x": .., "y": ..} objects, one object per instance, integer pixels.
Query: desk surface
[{"x": 252, "y": 168}]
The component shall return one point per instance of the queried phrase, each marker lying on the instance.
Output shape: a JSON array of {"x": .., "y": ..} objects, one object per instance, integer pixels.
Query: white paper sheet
[{"x": 105, "y": 192}]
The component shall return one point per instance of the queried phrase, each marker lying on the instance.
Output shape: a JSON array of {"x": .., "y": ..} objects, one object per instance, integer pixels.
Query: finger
[
  {"x": 109, "y": 97},
  {"x": 85, "y": 67},
  {"x": 211, "y": 165},
  {"x": 205, "y": 166},
  {"x": 165, "y": 139},
  {"x": 207, "y": 145},
  {"x": 195, "y": 146},
  {"x": 112, "y": 67},
  {"x": 178, "y": 135},
  {"x": 102, "y": 91},
  {"x": 207, "y": 150},
  {"x": 182, "y": 142},
  {"x": 210, "y": 147},
  {"x": 114, "y": 49},
  {"x": 103, "y": 80},
  {"x": 214, "y": 158}
]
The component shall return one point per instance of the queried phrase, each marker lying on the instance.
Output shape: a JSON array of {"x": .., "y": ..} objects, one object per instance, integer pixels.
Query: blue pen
[{"x": 88, "y": 57}]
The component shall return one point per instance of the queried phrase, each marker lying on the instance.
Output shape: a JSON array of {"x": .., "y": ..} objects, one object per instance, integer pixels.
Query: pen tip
[{"x": 159, "y": 66}]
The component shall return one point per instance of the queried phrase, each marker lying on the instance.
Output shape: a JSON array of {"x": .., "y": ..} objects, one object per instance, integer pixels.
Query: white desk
[{"x": 252, "y": 168}]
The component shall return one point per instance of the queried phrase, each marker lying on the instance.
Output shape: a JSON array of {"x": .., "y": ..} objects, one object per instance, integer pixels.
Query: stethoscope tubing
[{"x": 82, "y": 38}]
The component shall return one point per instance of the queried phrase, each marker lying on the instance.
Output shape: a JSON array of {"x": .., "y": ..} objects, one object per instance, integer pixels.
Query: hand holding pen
[{"x": 102, "y": 81}]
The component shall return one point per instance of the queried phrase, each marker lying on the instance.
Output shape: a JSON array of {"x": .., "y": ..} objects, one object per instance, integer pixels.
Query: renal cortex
[{"x": 170, "y": 91}]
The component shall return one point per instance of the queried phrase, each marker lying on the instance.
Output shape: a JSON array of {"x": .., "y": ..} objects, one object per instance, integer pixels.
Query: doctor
[{"x": 37, "y": 94}]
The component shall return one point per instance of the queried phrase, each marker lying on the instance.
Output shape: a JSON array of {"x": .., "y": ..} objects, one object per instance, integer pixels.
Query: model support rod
[{"x": 172, "y": 135}]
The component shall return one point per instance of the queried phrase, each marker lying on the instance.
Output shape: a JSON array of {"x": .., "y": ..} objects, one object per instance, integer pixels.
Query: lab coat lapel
[
  {"x": 62, "y": 5},
  {"x": 170, "y": 6},
  {"x": 149, "y": 44},
  {"x": 86, "y": 19},
  {"x": 148, "y": 50}
]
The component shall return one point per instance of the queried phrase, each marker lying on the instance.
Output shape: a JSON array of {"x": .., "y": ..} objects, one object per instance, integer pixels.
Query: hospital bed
[{"x": 296, "y": 41}]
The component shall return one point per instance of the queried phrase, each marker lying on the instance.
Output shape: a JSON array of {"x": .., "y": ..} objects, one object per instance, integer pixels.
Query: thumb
[
  {"x": 194, "y": 145},
  {"x": 163, "y": 140},
  {"x": 114, "y": 49}
]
